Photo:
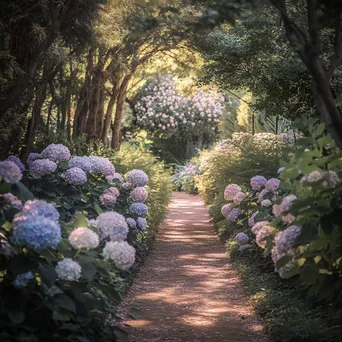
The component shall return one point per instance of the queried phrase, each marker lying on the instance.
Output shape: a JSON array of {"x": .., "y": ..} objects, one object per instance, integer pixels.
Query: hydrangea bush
[
  {"x": 294, "y": 217},
  {"x": 72, "y": 244}
]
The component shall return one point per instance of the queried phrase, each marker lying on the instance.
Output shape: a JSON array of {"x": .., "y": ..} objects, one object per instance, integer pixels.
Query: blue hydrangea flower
[
  {"x": 56, "y": 153},
  {"x": 40, "y": 207},
  {"x": 75, "y": 176},
  {"x": 32, "y": 157},
  {"x": 42, "y": 167},
  {"x": 10, "y": 172},
  {"x": 241, "y": 238},
  {"x": 101, "y": 165},
  {"x": 17, "y": 161},
  {"x": 139, "y": 208},
  {"x": 83, "y": 163},
  {"x": 22, "y": 279},
  {"x": 137, "y": 177},
  {"x": 68, "y": 269},
  {"x": 131, "y": 222},
  {"x": 35, "y": 231},
  {"x": 141, "y": 223}
]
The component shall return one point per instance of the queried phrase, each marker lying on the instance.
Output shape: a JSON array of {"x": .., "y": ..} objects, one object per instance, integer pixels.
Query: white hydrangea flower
[
  {"x": 83, "y": 237},
  {"x": 122, "y": 253},
  {"x": 112, "y": 225},
  {"x": 266, "y": 203},
  {"x": 68, "y": 269}
]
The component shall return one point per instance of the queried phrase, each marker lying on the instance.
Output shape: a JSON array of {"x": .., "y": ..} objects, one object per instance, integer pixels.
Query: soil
[{"x": 187, "y": 290}]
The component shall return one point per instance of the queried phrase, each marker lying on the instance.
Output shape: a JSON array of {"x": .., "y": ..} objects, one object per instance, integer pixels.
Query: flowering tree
[{"x": 161, "y": 110}]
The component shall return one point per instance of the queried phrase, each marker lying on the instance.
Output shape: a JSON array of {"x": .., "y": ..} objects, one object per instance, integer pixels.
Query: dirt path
[{"x": 187, "y": 290}]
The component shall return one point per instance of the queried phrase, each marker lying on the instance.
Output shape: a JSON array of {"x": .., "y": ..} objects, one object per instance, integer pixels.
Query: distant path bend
[{"x": 187, "y": 290}]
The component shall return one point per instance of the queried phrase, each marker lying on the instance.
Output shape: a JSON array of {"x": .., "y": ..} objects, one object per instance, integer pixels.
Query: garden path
[{"x": 187, "y": 290}]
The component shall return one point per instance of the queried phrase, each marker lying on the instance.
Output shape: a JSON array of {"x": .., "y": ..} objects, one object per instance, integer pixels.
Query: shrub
[
  {"x": 183, "y": 177},
  {"x": 70, "y": 266},
  {"x": 236, "y": 160}
]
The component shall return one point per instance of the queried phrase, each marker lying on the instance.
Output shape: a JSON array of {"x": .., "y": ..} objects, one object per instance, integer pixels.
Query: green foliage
[
  {"x": 254, "y": 55},
  {"x": 236, "y": 160}
]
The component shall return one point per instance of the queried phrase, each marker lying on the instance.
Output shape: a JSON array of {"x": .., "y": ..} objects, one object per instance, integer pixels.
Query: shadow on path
[{"x": 187, "y": 290}]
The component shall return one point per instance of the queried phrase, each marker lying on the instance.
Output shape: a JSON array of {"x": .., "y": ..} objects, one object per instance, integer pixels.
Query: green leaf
[
  {"x": 80, "y": 220},
  {"x": 283, "y": 261},
  {"x": 16, "y": 317},
  {"x": 88, "y": 270},
  {"x": 64, "y": 302},
  {"x": 47, "y": 274},
  {"x": 97, "y": 209},
  {"x": 22, "y": 192}
]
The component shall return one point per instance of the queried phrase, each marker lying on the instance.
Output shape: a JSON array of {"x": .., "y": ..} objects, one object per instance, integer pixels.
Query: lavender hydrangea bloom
[
  {"x": 284, "y": 206},
  {"x": 139, "y": 208},
  {"x": 114, "y": 190},
  {"x": 108, "y": 198},
  {"x": 285, "y": 240},
  {"x": 225, "y": 210},
  {"x": 266, "y": 203},
  {"x": 251, "y": 220},
  {"x": 42, "y": 167},
  {"x": 83, "y": 163},
  {"x": 11, "y": 200},
  {"x": 116, "y": 175},
  {"x": 35, "y": 231},
  {"x": 75, "y": 176},
  {"x": 122, "y": 253},
  {"x": 112, "y": 225},
  {"x": 10, "y": 172},
  {"x": 101, "y": 165},
  {"x": 262, "y": 194},
  {"x": 137, "y": 177},
  {"x": 262, "y": 234},
  {"x": 258, "y": 226},
  {"x": 258, "y": 182},
  {"x": 230, "y": 191},
  {"x": 56, "y": 153},
  {"x": 241, "y": 238},
  {"x": 272, "y": 184},
  {"x": 234, "y": 214},
  {"x": 131, "y": 222},
  {"x": 141, "y": 223},
  {"x": 32, "y": 157},
  {"x": 17, "y": 161},
  {"x": 332, "y": 179},
  {"x": 68, "y": 269},
  {"x": 42, "y": 208},
  {"x": 22, "y": 279},
  {"x": 239, "y": 197},
  {"x": 139, "y": 194}
]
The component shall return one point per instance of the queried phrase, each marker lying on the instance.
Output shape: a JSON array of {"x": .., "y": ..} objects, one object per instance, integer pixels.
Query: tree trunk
[
  {"x": 32, "y": 124},
  {"x": 109, "y": 111},
  {"x": 116, "y": 138},
  {"x": 81, "y": 113}
]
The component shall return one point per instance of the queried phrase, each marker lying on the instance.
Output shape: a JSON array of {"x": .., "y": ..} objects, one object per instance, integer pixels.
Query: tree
[{"x": 318, "y": 43}]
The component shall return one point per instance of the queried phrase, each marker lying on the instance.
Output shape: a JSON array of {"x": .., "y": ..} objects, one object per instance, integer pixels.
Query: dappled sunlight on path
[{"x": 187, "y": 290}]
